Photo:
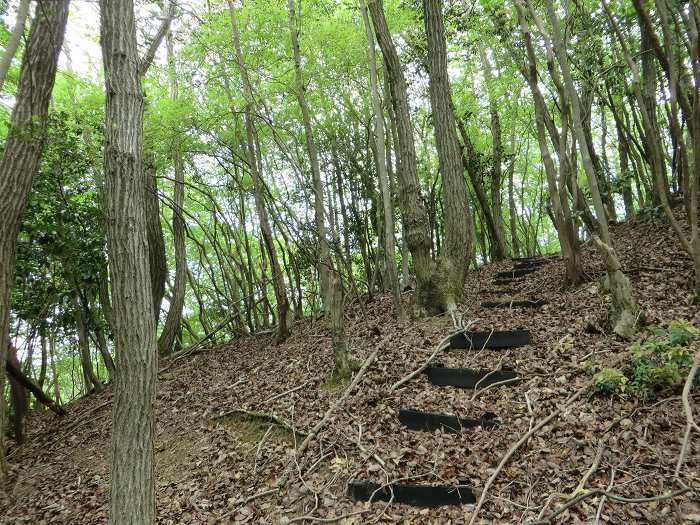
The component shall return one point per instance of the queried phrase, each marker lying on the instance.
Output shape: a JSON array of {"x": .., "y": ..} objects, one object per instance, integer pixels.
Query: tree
[
  {"x": 459, "y": 226},
  {"x": 13, "y": 43},
  {"x": 134, "y": 326},
  {"x": 323, "y": 252},
  {"x": 22, "y": 153},
  {"x": 382, "y": 173},
  {"x": 252, "y": 152}
]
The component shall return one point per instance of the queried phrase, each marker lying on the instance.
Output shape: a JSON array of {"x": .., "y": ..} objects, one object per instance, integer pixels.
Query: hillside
[{"x": 209, "y": 459}]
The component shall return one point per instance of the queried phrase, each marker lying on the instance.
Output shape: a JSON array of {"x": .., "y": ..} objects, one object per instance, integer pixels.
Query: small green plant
[
  {"x": 610, "y": 381},
  {"x": 662, "y": 361}
]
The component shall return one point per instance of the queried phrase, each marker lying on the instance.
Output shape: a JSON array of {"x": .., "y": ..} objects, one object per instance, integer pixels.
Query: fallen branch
[
  {"x": 277, "y": 396},
  {"x": 517, "y": 445},
  {"x": 265, "y": 417},
  {"x": 15, "y": 373},
  {"x": 442, "y": 345},
  {"x": 688, "y": 409},
  {"x": 299, "y": 451},
  {"x": 611, "y": 496}
]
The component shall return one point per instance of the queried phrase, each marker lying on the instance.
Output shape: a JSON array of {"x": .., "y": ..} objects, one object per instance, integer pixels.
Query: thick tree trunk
[
  {"x": 459, "y": 228},
  {"x": 132, "y": 469},
  {"x": 259, "y": 187},
  {"x": 415, "y": 218},
  {"x": 323, "y": 265},
  {"x": 382, "y": 171},
  {"x": 21, "y": 155},
  {"x": 177, "y": 301}
]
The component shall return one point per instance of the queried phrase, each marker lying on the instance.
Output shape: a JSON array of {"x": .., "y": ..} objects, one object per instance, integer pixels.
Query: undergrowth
[{"x": 659, "y": 363}]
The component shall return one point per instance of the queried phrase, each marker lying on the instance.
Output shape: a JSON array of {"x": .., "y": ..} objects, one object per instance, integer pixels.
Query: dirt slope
[{"x": 206, "y": 464}]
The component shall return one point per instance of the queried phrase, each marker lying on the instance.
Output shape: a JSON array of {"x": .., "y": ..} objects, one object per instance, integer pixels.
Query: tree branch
[{"x": 147, "y": 59}]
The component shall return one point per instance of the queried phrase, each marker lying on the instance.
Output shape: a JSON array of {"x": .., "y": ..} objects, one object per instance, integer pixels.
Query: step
[
  {"x": 506, "y": 282},
  {"x": 493, "y": 340},
  {"x": 519, "y": 303},
  {"x": 467, "y": 377},
  {"x": 523, "y": 265},
  {"x": 513, "y": 274},
  {"x": 430, "y": 421},
  {"x": 415, "y": 495},
  {"x": 546, "y": 258},
  {"x": 500, "y": 291}
]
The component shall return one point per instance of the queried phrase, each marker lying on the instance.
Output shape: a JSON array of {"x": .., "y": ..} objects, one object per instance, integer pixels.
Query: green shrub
[
  {"x": 660, "y": 362},
  {"x": 610, "y": 381}
]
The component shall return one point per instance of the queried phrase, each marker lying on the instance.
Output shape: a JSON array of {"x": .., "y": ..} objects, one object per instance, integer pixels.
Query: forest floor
[{"x": 207, "y": 462}]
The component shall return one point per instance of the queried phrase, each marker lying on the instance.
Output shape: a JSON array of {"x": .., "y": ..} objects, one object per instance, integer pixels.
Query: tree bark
[
  {"x": 156, "y": 243},
  {"x": 459, "y": 228},
  {"x": 132, "y": 468},
  {"x": 21, "y": 155},
  {"x": 414, "y": 215}
]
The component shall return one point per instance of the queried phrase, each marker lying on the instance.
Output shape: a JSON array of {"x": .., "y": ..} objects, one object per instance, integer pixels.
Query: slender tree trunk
[
  {"x": 259, "y": 188},
  {"x": 21, "y": 155},
  {"x": 132, "y": 469},
  {"x": 624, "y": 307},
  {"x": 156, "y": 242},
  {"x": 323, "y": 265},
  {"x": 387, "y": 202},
  {"x": 498, "y": 246},
  {"x": 90, "y": 380},
  {"x": 177, "y": 302},
  {"x": 344, "y": 363},
  {"x": 13, "y": 42}
]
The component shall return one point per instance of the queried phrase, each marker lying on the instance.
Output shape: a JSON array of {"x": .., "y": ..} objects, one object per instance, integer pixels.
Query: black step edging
[
  {"x": 467, "y": 377},
  {"x": 430, "y": 421},
  {"x": 506, "y": 282},
  {"x": 491, "y": 340},
  {"x": 524, "y": 265},
  {"x": 520, "y": 303},
  {"x": 492, "y": 291},
  {"x": 514, "y": 274},
  {"x": 415, "y": 495}
]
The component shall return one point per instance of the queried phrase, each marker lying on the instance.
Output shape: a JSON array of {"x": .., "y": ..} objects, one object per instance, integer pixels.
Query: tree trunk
[
  {"x": 132, "y": 469},
  {"x": 344, "y": 363},
  {"x": 259, "y": 187},
  {"x": 382, "y": 172},
  {"x": 21, "y": 155},
  {"x": 323, "y": 265},
  {"x": 415, "y": 218},
  {"x": 156, "y": 243},
  {"x": 498, "y": 246},
  {"x": 459, "y": 228},
  {"x": 13, "y": 42},
  {"x": 177, "y": 301},
  {"x": 90, "y": 380}
]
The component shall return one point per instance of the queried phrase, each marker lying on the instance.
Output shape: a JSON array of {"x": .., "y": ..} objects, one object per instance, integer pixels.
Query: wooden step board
[
  {"x": 499, "y": 291},
  {"x": 519, "y": 303},
  {"x": 493, "y": 340},
  {"x": 513, "y": 274},
  {"x": 415, "y": 495},
  {"x": 467, "y": 377},
  {"x": 506, "y": 282},
  {"x": 430, "y": 421},
  {"x": 524, "y": 265},
  {"x": 546, "y": 258}
]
